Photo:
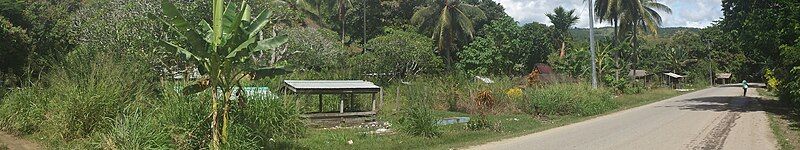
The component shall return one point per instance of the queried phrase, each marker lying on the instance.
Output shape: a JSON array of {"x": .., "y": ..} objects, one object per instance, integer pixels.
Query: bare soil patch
[{"x": 8, "y": 141}]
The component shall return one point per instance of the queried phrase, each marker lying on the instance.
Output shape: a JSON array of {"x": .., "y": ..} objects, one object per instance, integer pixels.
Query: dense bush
[
  {"x": 789, "y": 84},
  {"x": 569, "y": 99},
  {"x": 315, "y": 49},
  {"x": 80, "y": 97},
  {"x": 91, "y": 87},
  {"x": 268, "y": 122},
  {"x": 481, "y": 57},
  {"x": 177, "y": 122},
  {"x": 400, "y": 54},
  {"x": 109, "y": 101},
  {"x": 506, "y": 48}
]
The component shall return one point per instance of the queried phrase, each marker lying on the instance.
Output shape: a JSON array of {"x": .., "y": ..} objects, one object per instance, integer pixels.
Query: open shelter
[
  {"x": 335, "y": 87},
  {"x": 724, "y": 77},
  {"x": 674, "y": 80}
]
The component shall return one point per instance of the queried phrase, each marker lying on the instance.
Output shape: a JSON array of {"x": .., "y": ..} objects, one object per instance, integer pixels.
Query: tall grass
[
  {"x": 114, "y": 101},
  {"x": 569, "y": 99},
  {"x": 80, "y": 96},
  {"x": 417, "y": 117},
  {"x": 90, "y": 89}
]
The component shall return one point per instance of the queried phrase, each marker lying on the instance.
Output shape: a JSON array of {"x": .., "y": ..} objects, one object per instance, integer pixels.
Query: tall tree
[
  {"x": 493, "y": 10},
  {"x": 562, "y": 20},
  {"x": 448, "y": 21},
  {"x": 315, "y": 11},
  {"x": 636, "y": 15},
  {"x": 606, "y": 11}
]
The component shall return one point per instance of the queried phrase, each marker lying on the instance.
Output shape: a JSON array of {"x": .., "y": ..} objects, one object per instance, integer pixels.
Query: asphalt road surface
[{"x": 713, "y": 118}]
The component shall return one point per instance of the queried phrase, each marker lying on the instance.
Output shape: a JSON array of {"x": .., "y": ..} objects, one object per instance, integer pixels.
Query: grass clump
[
  {"x": 418, "y": 118},
  {"x": 90, "y": 89},
  {"x": 569, "y": 99},
  {"x": 80, "y": 96},
  {"x": 180, "y": 122}
]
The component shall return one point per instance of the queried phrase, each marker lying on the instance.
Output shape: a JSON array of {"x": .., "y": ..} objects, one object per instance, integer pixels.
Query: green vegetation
[
  {"x": 563, "y": 99},
  {"x": 562, "y": 20},
  {"x": 504, "y": 117},
  {"x": 119, "y": 74},
  {"x": 447, "y": 22},
  {"x": 781, "y": 119},
  {"x": 400, "y": 53}
]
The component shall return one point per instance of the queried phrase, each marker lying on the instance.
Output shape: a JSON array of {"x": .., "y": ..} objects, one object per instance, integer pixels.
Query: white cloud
[{"x": 685, "y": 13}]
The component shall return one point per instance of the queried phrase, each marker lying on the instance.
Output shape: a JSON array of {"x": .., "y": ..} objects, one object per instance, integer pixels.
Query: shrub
[
  {"x": 266, "y": 122},
  {"x": 789, "y": 77},
  {"x": 81, "y": 96},
  {"x": 178, "y": 122},
  {"x": 482, "y": 57},
  {"x": 173, "y": 121},
  {"x": 417, "y": 118},
  {"x": 569, "y": 99},
  {"x": 91, "y": 87},
  {"x": 314, "y": 49},
  {"x": 399, "y": 53},
  {"x": 484, "y": 101},
  {"x": 772, "y": 82},
  {"x": 533, "y": 79}
]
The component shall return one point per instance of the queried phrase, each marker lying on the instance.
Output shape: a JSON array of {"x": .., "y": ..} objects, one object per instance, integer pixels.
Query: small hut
[
  {"x": 641, "y": 75},
  {"x": 724, "y": 77},
  {"x": 674, "y": 80}
]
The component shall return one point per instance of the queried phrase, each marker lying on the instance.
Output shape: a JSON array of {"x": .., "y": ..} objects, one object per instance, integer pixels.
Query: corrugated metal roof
[
  {"x": 638, "y": 73},
  {"x": 724, "y": 75},
  {"x": 330, "y": 84},
  {"x": 673, "y": 75}
]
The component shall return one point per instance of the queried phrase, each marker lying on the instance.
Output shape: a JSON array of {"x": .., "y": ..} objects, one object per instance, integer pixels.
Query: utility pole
[
  {"x": 364, "y": 27},
  {"x": 591, "y": 45},
  {"x": 708, "y": 58}
]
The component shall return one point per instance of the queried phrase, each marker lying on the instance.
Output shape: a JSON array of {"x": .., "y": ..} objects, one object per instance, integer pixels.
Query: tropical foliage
[
  {"x": 562, "y": 20},
  {"x": 221, "y": 50},
  {"x": 119, "y": 74},
  {"x": 448, "y": 22},
  {"x": 397, "y": 55}
]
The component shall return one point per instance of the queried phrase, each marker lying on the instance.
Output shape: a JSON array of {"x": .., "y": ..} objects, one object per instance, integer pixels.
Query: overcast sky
[{"x": 685, "y": 13}]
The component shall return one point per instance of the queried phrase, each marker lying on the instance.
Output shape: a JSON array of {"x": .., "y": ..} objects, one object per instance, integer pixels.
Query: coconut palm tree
[
  {"x": 562, "y": 20},
  {"x": 313, "y": 8},
  {"x": 448, "y": 21},
  {"x": 606, "y": 11},
  {"x": 636, "y": 15}
]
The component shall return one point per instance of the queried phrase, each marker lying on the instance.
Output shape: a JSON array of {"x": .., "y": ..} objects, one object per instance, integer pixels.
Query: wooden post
[
  {"x": 320, "y": 103},
  {"x": 341, "y": 105},
  {"x": 352, "y": 99},
  {"x": 373, "y": 102}
]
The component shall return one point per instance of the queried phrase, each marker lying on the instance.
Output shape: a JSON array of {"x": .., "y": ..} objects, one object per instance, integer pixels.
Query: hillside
[{"x": 582, "y": 34}]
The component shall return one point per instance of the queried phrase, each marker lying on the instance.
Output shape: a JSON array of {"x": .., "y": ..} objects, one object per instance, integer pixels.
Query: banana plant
[{"x": 221, "y": 53}]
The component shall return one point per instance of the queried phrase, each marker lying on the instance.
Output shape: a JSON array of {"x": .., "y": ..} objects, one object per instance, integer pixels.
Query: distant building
[{"x": 724, "y": 77}]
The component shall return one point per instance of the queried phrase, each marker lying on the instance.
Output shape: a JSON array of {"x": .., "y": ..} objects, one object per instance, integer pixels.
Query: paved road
[{"x": 714, "y": 118}]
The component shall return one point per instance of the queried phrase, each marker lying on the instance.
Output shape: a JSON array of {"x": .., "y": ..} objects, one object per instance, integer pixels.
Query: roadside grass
[
  {"x": 782, "y": 120},
  {"x": 458, "y": 135}
]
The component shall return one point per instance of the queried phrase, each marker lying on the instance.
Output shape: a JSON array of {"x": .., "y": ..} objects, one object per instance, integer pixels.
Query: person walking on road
[{"x": 744, "y": 86}]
